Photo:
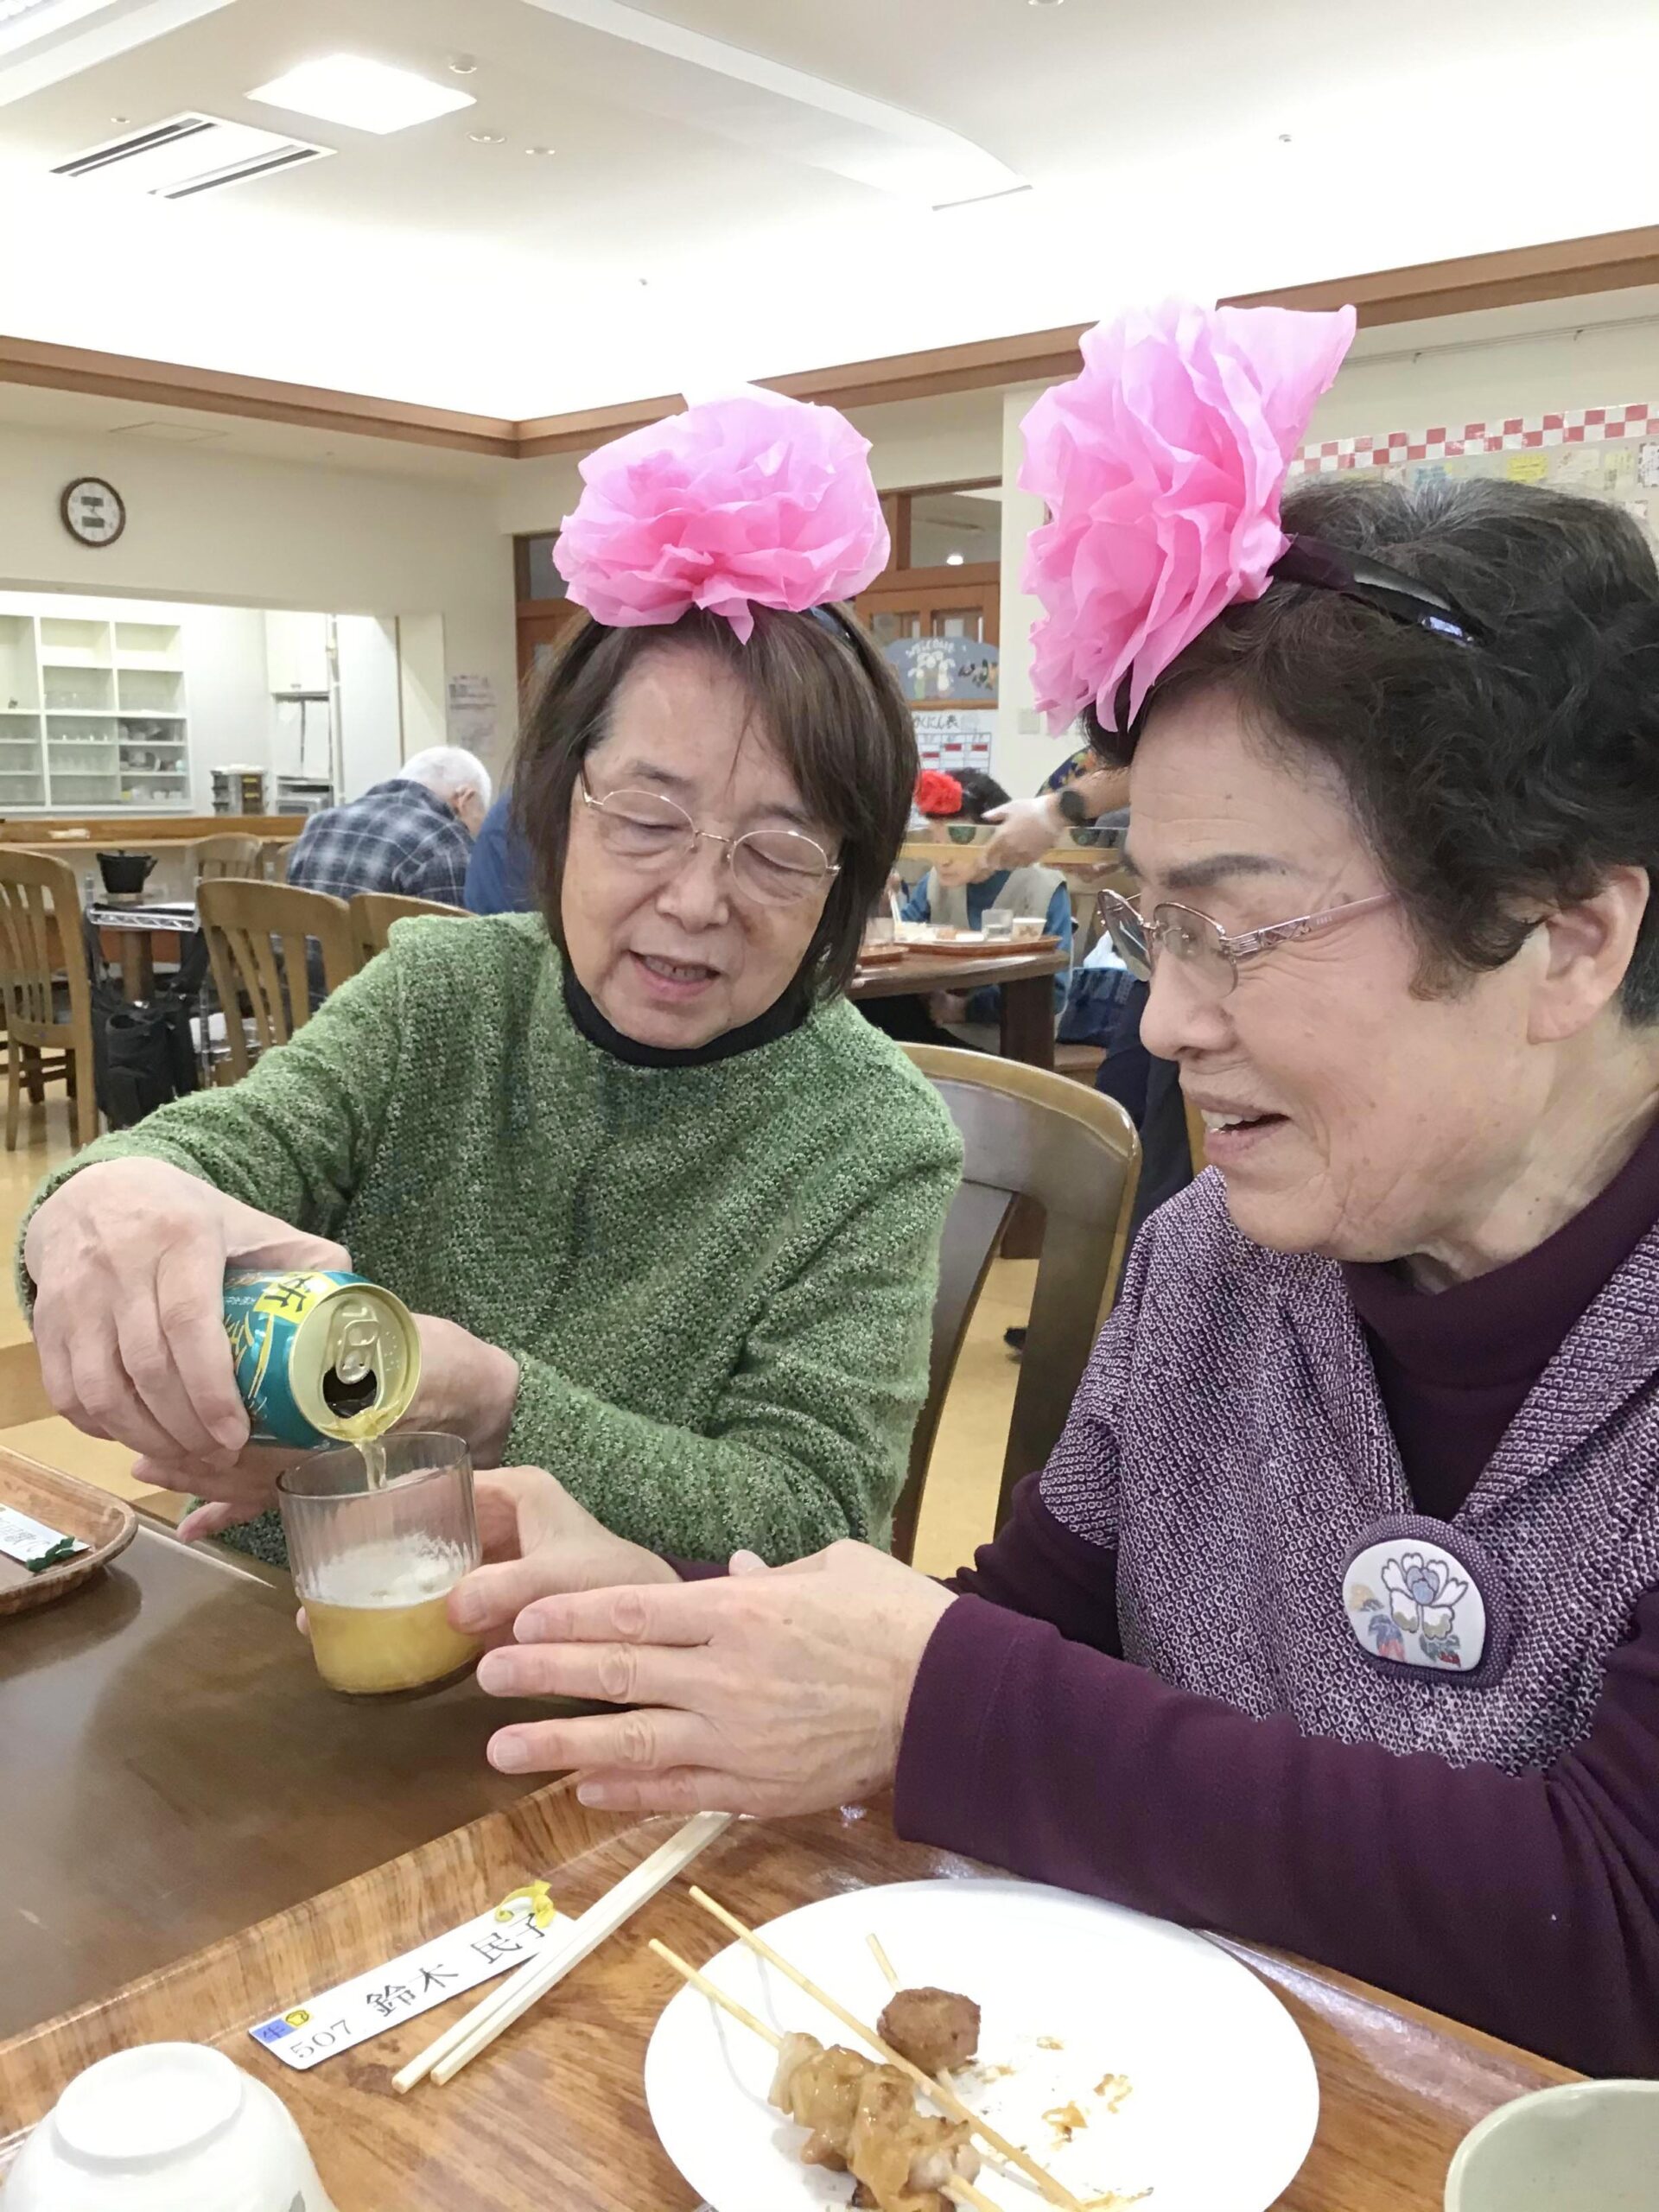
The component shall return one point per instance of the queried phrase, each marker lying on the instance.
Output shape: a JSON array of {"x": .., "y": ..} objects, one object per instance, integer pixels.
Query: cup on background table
[
  {"x": 1030, "y": 926},
  {"x": 880, "y": 929},
  {"x": 997, "y": 923},
  {"x": 1587, "y": 2147},
  {"x": 373, "y": 1566}
]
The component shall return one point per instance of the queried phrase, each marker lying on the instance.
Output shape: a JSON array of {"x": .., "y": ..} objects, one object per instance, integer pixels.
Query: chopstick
[
  {"x": 947, "y": 2098},
  {"x": 882, "y": 1959},
  {"x": 478, "y": 2029},
  {"x": 962, "y": 2192}
]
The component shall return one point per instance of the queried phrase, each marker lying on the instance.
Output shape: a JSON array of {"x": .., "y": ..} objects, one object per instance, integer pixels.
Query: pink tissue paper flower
[
  {"x": 1162, "y": 465},
  {"x": 754, "y": 501}
]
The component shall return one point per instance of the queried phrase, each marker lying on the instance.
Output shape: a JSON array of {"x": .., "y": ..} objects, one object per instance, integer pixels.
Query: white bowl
[
  {"x": 166, "y": 2127},
  {"x": 1587, "y": 2147}
]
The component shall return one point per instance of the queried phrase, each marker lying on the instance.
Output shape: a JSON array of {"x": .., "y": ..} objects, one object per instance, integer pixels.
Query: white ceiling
[{"x": 690, "y": 227}]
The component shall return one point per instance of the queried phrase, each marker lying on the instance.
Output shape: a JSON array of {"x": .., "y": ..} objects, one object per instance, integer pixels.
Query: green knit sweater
[{"x": 717, "y": 1280}]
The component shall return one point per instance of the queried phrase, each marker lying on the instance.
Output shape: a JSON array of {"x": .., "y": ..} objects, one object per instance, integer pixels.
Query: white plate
[{"x": 1224, "y": 2101}]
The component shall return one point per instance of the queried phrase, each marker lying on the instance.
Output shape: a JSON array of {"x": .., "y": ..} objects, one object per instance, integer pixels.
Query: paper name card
[
  {"x": 31, "y": 1543},
  {"x": 449, "y": 1966}
]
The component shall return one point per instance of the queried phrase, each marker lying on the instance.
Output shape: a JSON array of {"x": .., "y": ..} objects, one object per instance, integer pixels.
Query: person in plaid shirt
[{"x": 412, "y": 833}]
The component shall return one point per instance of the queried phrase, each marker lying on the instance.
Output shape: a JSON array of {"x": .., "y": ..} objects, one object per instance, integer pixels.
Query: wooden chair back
[
  {"x": 215, "y": 857},
  {"x": 258, "y": 936},
  {"x": 42, "y": 953},
  {"x": 273, "y": 858},
  {"x": 1025, "y": 1134},
  {"x": 373, "y": 914}
]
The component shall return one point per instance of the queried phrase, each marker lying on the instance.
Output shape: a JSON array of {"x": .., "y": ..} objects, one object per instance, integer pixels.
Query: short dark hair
[
  {"x": 1494, "y": 781},
  {"x": 980, "y": 793},
  {"x": 820, "y": 692}
]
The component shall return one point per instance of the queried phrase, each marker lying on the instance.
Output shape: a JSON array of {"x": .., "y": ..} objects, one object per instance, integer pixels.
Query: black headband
[{"x": 1325, "y": 567}]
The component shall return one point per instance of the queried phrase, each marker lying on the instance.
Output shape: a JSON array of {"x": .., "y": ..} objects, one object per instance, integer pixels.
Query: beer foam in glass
[{"x": 374, "y": 1564}]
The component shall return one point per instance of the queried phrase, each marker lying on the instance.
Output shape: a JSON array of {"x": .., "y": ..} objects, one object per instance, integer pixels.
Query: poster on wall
[
  {"x": 1607, "y": 453},
  {"x": 945, "y": 668},
  {"x": 953, "y": 738},
  {"x": 471, "y": 717}
]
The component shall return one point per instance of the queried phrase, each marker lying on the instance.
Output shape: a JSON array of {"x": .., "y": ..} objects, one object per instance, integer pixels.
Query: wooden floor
[{"x": 966, "y": 1459}]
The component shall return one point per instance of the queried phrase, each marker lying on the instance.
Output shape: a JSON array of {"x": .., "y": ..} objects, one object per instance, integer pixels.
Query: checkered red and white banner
[{"x": 1574, "y": 426}]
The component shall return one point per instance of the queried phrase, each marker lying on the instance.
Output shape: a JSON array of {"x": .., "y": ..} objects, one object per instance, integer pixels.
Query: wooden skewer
[
  {"x": 713, "y": 1991},
  {"x": 961, "y": 2191},
  {"x": 947, "y": 2098},
  {"x": 476, "y": 2029},
  {"x": 882, "y": 1961}
]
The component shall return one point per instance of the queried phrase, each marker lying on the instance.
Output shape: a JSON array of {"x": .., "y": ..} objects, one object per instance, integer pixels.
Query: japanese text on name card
[{"x": 449, "y": 1966}]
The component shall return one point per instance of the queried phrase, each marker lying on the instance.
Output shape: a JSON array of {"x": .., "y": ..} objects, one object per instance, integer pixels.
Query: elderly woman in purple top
[{"x": 1334, "y": 1619}]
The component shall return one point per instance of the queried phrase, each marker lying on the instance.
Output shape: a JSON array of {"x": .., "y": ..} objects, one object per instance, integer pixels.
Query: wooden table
[
  {"x": 136, "y": 935},
  {"x": 175, "y": 1769},
  {"x": 1027, "y": 984},
  {"x": 554, "y": 2114}
]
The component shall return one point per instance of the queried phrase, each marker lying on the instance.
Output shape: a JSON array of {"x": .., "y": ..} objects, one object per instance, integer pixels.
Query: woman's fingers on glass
[{"x": 493, "y": 1597}]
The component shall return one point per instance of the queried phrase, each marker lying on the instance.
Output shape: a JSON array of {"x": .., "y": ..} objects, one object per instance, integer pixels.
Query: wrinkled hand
[
  {"x": 1027, "y": 828},
  {"x": 128, "y": 1259},
  {"x": 467, "y": 1388},
  {"x": 779, "y": 1690},
  {"x": 539, "y": 1543}
]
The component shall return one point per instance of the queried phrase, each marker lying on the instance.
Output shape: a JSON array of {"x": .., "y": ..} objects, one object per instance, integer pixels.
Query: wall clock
[{"x": 92, "y": 510}]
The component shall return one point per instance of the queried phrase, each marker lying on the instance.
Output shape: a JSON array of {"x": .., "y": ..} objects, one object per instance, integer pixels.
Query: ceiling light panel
[
  {"x": 22, "y": 20},
  {"x": 364, "y": 95}
]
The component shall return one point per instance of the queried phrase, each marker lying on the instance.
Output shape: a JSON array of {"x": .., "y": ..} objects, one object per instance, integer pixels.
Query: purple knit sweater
[{"x": 1229, "y": 1672}]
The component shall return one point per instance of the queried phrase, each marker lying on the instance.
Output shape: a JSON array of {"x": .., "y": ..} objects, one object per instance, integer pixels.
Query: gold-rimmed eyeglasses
[
  {"x": 775, "y": 867},
  {"x": 1205, "y": 951}
]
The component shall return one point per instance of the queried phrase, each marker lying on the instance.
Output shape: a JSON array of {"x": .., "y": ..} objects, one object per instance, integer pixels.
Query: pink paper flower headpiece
[
  {"x": 1162, "y": 465},
  {"x": 751, "y": 501}
]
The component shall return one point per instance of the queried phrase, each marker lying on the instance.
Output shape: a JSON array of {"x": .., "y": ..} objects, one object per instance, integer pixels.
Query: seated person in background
[
  {"x": 500, "y": 875},
  {"x": 412, "y": 834},
  {"x": 667, "y": 1209},
  {"x": 1333, "y": 1621},
  {"x": 956, "y": 893}
]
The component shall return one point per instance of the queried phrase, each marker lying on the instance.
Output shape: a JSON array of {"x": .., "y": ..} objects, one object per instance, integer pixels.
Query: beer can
[{"x": 320, "y": 1358}]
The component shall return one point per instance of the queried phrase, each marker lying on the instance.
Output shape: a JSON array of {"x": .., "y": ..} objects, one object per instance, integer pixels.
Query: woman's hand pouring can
[{"x": 321, "y": 1357}]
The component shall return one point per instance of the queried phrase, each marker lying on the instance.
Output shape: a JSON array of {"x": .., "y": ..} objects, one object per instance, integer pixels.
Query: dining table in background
[
  {"x": 133, "y": 934},
  {"x": 1027, "y": 981}
]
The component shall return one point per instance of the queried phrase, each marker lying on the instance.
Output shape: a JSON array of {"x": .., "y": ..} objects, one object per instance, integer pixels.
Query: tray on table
[
  {"x": 554, "y": 2112},
  {"x": 103, "y": 1523}
]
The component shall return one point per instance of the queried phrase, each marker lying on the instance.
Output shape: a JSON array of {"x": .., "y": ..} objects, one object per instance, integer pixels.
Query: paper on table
[
  {"x": 31, "y": 1543},
  {"x": 406, "y": 1986}
]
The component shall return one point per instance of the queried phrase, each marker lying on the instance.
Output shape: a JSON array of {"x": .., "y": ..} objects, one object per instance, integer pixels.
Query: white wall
[
  {"x": 1414, "y": 378},
  {"x": 233, "y": 530},
  {"x": 371, "y": 717}
]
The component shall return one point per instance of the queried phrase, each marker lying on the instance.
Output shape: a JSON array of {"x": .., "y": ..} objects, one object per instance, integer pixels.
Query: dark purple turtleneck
[{"x": 1455, "y": 1366}]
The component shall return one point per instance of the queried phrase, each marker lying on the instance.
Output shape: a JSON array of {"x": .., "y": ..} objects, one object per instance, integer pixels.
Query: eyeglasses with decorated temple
[
  {"x": 775, "y": 867},
  {"x": 1204, "y": 950}
]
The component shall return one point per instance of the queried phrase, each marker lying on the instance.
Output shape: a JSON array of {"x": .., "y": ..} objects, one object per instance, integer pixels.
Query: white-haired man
[{"x": 412, "y": 833}]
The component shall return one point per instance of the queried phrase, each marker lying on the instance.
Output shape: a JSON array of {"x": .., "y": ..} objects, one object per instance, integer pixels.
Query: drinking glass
[
  {"x": 373, "y": 1564},
  {"x": 998, "y": 922}
]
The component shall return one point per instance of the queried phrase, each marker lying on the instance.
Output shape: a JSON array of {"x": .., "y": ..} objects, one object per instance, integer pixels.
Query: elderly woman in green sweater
[{"x": 666, "y": 1208}]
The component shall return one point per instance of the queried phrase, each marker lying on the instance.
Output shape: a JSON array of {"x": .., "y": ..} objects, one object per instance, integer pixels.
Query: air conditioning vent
[{"x": 188, "y": 155}]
